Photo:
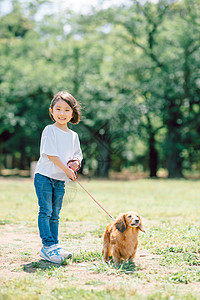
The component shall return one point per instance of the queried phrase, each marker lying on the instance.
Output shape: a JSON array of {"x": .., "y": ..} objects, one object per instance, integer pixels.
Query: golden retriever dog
[{"x": 120, "y": 239}]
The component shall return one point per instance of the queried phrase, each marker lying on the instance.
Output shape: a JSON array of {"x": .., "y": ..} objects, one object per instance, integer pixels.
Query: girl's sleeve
[
  {"x": 77, "y": 150},
  {"x": 48, "y": 143}
]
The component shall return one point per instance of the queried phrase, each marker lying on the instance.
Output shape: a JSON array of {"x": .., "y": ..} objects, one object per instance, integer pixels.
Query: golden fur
[{"x": 120, "y": 239}]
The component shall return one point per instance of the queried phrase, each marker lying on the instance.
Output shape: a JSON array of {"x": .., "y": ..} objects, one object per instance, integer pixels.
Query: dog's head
[{"x": 129, "y": 219}]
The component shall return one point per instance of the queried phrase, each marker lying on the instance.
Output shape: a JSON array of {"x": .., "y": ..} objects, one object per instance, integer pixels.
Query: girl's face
[{"x": 61, "y": 112}]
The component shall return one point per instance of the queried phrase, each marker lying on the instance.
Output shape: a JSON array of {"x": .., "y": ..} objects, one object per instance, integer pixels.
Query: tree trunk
[
  {"x": 153, "y": 157},
  {"x": 104, "y": 156},
  {"x": 174, "y": 160},
  {"x": 4, "y": 136},
  {"x": 153, "y": 153},
  {"x": 1, "y": 156},
  {"x": 103, "y": 161}
]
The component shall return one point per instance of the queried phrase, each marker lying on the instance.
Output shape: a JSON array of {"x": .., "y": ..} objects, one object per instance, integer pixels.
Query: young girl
[{"x": 59, "y": 144}]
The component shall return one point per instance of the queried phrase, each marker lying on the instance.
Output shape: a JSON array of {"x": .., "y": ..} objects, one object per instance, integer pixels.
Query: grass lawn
[{"x": 167, "y": 264}]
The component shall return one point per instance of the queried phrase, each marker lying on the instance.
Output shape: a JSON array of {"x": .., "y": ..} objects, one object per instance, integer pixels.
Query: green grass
[
  {"x": 126, "y": 267},
  {"x": 159, "y": 200},
  {"x": 86, "y": 256},
  {"x": 170, "y": 270}
]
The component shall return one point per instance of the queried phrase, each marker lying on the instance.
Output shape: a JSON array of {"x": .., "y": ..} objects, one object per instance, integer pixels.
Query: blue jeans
[{"x": 50, "y": 194}]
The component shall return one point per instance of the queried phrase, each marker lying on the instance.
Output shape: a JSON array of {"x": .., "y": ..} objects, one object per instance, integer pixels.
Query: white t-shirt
[{"x": 57, "y": 142}]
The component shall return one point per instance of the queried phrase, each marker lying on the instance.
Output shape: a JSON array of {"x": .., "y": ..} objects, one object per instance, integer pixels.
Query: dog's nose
[{"x": 137, "y": 220}]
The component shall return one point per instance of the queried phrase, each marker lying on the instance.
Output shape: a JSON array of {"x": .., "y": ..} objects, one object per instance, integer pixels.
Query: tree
[
  {"x": 131, "y": 67},
  {"x": 158, "y": 31}
]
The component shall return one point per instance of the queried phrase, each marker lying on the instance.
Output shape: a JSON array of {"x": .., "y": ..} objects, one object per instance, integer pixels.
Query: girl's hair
[{"x": 71, "y": 101}]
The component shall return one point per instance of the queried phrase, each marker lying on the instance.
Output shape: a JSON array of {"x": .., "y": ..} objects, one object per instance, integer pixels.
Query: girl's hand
[
  {"x": 70, "y": 173},
  {"x": 74, "y": 164}
]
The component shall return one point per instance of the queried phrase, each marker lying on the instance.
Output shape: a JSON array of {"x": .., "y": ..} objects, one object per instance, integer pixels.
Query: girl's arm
[{"x": 69, "y": 172}]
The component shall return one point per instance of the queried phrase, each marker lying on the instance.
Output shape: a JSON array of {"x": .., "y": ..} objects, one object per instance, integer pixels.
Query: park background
[{"x": 135, "y": 68}]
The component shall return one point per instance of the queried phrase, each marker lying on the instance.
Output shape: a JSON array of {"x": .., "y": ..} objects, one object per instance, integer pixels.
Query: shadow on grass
[
  {"x": 41, "y": 265},
  {"x": 98, "y": 265}
]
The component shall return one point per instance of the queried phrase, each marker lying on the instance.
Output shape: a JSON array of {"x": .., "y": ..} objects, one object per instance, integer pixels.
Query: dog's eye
[{"x": 129, "y": 216}]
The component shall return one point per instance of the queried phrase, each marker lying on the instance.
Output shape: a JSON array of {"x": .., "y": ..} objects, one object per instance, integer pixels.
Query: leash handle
[
  {"x": 75, "y": 171},
  {"x": 72, "y": 167}
]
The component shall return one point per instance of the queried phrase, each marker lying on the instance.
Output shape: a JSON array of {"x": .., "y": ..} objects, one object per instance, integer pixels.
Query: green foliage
[
  {"x": 134, "y": 68},
  {"x": 14, "y": 24}
]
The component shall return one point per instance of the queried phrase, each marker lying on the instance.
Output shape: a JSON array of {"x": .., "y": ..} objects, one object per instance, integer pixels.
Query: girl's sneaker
[
  {"x": 51, "y": 254},
  {"x": 63, "y": 252}
]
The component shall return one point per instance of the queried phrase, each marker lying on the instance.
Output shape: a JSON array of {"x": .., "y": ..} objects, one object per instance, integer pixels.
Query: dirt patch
[
  {"x": 20, "y": 247},
  {"x": 19, "y": 257}
]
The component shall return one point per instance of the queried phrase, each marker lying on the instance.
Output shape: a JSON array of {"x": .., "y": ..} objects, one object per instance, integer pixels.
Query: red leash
[{"x": 75, "y": 170}]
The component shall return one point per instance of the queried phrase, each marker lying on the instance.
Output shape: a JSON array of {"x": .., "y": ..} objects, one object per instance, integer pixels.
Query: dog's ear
[
  {"x": 120, "y": 223},
  {"x": 141, "y": 226}
]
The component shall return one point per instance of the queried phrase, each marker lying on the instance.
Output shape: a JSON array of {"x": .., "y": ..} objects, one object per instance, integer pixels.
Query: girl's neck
[{"x": 62, "y": 127}]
